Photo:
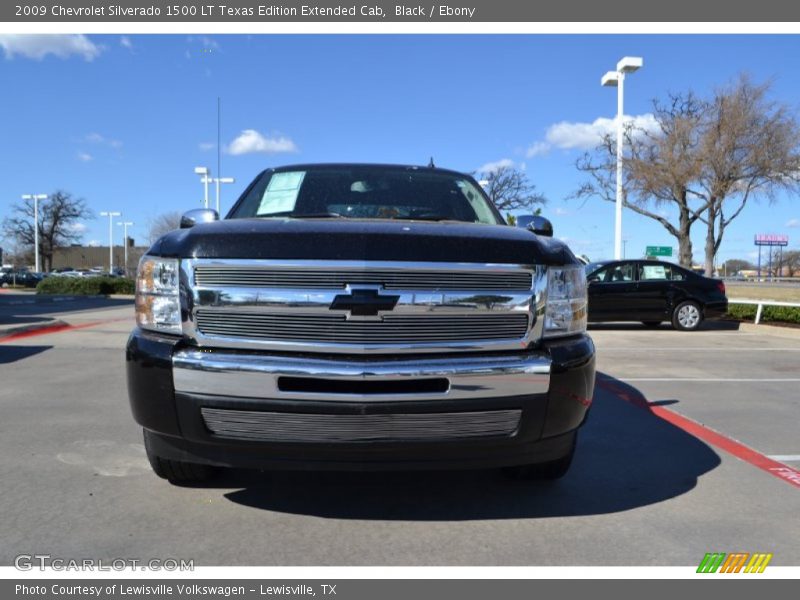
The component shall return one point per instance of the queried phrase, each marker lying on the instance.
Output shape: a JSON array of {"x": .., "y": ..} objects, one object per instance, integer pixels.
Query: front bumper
[{"x": 173, "y": 389}]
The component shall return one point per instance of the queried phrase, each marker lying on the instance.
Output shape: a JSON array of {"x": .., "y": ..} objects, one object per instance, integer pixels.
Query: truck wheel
[
  {"x": 176, "y": 471},
  {"x": 548, "y": 471},
  {"x": 687, "y": 316}
]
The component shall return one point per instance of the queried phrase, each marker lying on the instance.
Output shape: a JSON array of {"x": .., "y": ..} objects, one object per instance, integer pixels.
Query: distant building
[{"x": 88, "y": 257}]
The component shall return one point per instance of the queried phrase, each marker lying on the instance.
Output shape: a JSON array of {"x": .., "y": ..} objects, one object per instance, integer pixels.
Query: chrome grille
[
  {"x": 393, "y": 427},
  {"x": 311, "y": 278},
  {"x": 286, "y": 305},
  {"x": 336, "y": 329}
]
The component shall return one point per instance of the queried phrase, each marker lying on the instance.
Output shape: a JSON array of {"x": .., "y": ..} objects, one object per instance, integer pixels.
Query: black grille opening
[{"x": 339, "y": 386}]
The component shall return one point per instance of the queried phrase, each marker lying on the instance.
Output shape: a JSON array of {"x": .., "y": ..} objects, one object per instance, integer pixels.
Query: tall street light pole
[
  {"x": 110, "y": 216},
  {"x": 219, "y": 180},
  {"x": 206, "y": 173},
  {"x": 628, "y": 64},
  {"x": 125, "y": 225},
  {"x": 35, "y": 198}
]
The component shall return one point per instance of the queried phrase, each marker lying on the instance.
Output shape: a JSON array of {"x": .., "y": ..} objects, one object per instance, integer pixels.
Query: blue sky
[{"x": 123, "y": 120}]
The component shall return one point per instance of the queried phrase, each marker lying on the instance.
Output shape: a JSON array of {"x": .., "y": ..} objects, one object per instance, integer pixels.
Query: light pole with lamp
[
  {"x": 35, "y": 198},
  {"x": 110, "y": 216},
  {"x": 125, "y": 225},
  {"x": 219, "y": 180},
  {"x": 206, "y": 173},
  {"x": 628, "y": 64}
]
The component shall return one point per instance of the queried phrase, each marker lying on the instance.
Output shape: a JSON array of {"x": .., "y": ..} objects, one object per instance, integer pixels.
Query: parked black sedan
[{"x": 652, "y": 291}]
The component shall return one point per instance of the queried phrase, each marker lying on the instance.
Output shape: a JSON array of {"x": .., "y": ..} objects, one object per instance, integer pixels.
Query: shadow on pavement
[
  {"x": 10, "y": 320},
  {"x": 10, "y": 354},
  {"x": 627, "y": 457}
]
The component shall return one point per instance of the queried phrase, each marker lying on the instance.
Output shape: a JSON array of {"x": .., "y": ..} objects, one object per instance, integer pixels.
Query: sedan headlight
[
  {"x": 158, "y": 305},
  {"x": 566, "y": 310}
]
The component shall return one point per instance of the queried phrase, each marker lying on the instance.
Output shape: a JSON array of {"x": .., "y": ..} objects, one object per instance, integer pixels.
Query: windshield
[{"x": 367, "y": 192}]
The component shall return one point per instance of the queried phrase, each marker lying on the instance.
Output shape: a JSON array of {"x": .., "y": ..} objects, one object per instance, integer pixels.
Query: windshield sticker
[{"x": 281, "y": 193}]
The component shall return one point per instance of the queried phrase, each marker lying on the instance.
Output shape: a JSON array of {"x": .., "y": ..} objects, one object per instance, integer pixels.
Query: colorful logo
[{"x": 744, "y": 562}]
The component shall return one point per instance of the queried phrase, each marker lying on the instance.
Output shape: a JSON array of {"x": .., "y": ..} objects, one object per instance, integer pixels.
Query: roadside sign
[
  {"x": 771, "y": 239},
  {"x": 658, "y": 251}
]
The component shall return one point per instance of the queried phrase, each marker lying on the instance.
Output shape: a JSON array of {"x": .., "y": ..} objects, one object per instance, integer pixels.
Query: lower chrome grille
[
  {"x": 391, "y": 329},
  {"x": 310, "y": 428}
]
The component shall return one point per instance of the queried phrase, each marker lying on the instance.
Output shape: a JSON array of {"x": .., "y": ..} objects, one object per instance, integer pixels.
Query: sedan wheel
[{"x": 687, "y": 316}]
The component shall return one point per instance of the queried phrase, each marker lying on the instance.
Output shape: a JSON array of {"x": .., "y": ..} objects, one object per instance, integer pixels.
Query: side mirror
[
  {"x": 540, "y": 226},
  {"x": 198, "y": 215}
]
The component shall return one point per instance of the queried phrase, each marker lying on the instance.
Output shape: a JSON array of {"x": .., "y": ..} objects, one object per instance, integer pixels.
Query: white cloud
[
  {"x": 494, "y": 166},
  {"x": 96, "y": 138},
  {"x": 209, "y": 42},
  {"x": 206, "y": 146},
  {"x": 203, "y": 40},
  {"x": 125, "y": 42},
  {"x": 84, "y": 156},
  {"x": 77, "y": 227},
  {"x": 568, "y": 135},
  {"x": 537, "y": 149},
  {"x": 793, "y": 223},
  {"x": 251, "y": 141},
  {"x": 38, "y": 46},
  {"x": 560, "y": 211},
  {"x": 94, "y": 243}
]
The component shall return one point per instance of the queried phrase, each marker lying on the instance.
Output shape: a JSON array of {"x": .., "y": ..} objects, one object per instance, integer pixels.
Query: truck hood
[{"x": 368, "y": 240}]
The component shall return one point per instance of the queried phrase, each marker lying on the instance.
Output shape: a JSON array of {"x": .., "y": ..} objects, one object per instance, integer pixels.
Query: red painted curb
[
  {"x": 56, "y": 328},
  {"x": 783, "y": 472}
]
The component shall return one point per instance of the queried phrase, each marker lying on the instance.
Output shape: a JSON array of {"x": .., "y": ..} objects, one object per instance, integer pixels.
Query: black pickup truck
[{"x": 353, "y": 316}]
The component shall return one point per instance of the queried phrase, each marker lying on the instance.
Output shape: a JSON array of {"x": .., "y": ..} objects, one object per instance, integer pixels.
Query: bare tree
[
  {"x": 706, "y": 160},
  {"x": 59, "y": 216},
  {"x": 734, "y": 265},
  {"x": 162, "y": 224},
  {"x": 791, "y": 262},
  {"x": 510, "y": 189},
  {"x": 750, "y": 147},
  {"x": 659, "y": 167}
]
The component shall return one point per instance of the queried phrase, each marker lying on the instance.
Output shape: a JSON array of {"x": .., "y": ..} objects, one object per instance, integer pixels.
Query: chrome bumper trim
[{"x": 256, "y": 375}]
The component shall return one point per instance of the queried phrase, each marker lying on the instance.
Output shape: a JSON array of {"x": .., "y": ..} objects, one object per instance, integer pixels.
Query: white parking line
[
  {"x": 785, "y": 457},
  {"x": 711, "y": 379}
]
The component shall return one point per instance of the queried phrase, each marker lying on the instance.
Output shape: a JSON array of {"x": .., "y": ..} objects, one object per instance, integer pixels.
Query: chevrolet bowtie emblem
[{"x": 364, "y": 303}]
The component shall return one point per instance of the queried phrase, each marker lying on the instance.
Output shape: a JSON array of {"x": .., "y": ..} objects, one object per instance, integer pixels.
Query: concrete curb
[{"x": 789, "y": 332}]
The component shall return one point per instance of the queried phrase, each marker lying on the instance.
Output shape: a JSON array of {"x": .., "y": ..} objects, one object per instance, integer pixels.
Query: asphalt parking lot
[{"x": 673, "y": 463}]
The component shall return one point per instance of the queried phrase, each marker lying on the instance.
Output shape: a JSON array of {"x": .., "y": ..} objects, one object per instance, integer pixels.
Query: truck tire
[
  {"x": 687, "y": 316},
  {"x": 176, "y": 471},
  {"x": 548, "y": 471}
]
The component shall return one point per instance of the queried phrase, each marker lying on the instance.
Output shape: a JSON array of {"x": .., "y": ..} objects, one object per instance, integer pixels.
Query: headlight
[
  {"x": 158, "y": 305},
  {"x": 566, "y": 301}
]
